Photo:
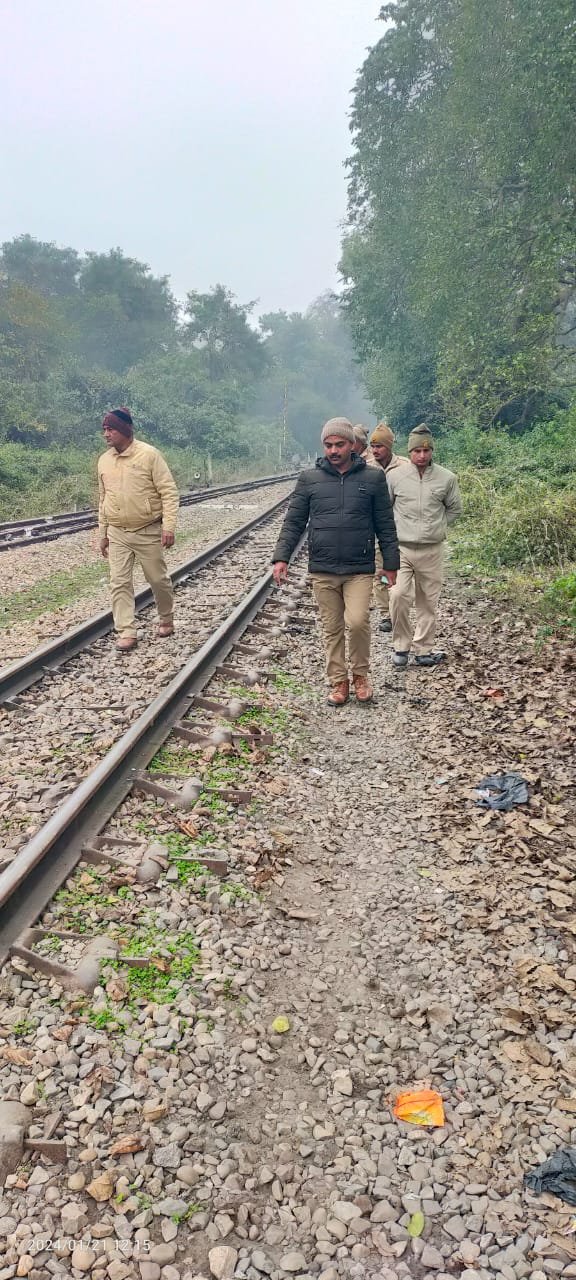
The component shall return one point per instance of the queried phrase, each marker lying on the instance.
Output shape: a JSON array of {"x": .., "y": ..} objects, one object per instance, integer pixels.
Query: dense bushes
[
  {"x": 519, "y": 524},
  {"x": 42, "y": 481}
]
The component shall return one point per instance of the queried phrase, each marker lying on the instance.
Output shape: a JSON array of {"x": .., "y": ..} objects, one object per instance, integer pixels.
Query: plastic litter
[
  {"x": 424, "y": 1106},
  {"x": 556, "y": 1175},
  {"x": 281, "y": 1024},
  {"x": 416, "y": 1224},
  {"x": 502, "y": 791}
]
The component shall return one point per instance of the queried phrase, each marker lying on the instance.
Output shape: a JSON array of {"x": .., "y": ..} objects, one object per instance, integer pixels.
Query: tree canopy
[
  {"x": 459, "y": 258},
  {"x": 79, "y": 333}
]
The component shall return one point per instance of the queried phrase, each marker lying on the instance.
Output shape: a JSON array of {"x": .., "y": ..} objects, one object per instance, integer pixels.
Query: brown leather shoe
[
  {"x": 165, "y": 629},
  {"x": 339, "y": 694},
  {"x": 363, "y": 689},
  {"x": 126, "y": 643}
]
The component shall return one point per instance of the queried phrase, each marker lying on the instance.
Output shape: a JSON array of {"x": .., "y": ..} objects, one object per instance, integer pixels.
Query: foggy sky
[{"x": 204, "y": 138}]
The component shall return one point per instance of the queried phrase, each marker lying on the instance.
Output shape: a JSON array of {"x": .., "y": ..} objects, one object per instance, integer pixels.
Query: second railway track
[
  {"x": 61, "y": 726},
  {"x": 36, "y": 529}
]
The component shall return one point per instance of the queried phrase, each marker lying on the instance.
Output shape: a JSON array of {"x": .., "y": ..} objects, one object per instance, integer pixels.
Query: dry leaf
[
  {"x": 63, "y": 1033},
  {"x": 514, "y": 1050},
  {"x": 154, "y": 1111},
  {"x": 101, "y": 1188},
  {"x": 117, "y": 987},
  {"x": 543, "y": 828},
  {"x": 538, "y": 1052},
  {"x": 20, "y": 1057},
  {"x": 565, "y": 1243},
  {"x": 559, "y": 899},
  {"x": 439, "y": 1014},
  {"x": 298, "y": 913},
  {"x": 382, "y": 1244},
  {"x": 130, "y": 1142},
  {"x": 188, "y": 828},
  {"x": 276, "y": 786}
]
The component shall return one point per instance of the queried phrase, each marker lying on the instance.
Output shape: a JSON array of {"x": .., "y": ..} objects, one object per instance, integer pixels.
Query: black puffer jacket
[{"x": 345, "y": 513}]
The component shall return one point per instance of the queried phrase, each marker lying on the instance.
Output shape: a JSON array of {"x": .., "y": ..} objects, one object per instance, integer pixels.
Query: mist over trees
[
  {"x": 80, "y": 333},
  {"x": 460, "y": 255}
]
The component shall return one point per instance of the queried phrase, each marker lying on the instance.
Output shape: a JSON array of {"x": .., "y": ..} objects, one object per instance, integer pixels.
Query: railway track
[
  {"x": 29, "y": 532},
  {"x": 74, "y": 833},
  {"x": 166, "y": 767},
  {"x": 61, "y": 717}
]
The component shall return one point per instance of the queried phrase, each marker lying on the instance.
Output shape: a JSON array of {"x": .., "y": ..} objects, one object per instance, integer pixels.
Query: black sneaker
[
  {"x": 429, "y": 659},
  {"x": 400, "y": 659},
  {"x": 385, "y": 624}
]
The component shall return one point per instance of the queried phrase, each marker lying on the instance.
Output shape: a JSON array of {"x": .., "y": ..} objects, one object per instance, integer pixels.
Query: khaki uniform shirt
[
  {"x": 424, "y": 505},
  {"x": 136, "y": 488}
]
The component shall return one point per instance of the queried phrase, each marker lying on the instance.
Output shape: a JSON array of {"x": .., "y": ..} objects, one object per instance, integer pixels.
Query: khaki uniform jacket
[
  {"x": 396, "y": 461},
  {"x": 136, "y": 488},
  {"x": 425, "y": 505}
]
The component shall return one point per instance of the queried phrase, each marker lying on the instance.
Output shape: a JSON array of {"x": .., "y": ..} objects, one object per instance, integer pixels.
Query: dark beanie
[{"x": 120, "y": 420}]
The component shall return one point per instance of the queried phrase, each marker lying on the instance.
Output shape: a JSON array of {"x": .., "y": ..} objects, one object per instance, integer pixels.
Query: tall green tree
[
  {"x": 312, "y": 372},
  {"x": 462, "y": 216}
]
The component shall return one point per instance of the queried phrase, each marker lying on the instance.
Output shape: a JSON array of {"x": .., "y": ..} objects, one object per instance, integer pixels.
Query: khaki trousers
[
  {"x": 145, "y": 546},
  {"x": 380, "y": 591},
  {"x": 421, "y": 565},
  {"x": 344, "y": 604}
]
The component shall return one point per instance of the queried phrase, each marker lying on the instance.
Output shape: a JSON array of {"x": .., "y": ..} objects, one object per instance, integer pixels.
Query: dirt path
[{"x": 410, "y": 939}]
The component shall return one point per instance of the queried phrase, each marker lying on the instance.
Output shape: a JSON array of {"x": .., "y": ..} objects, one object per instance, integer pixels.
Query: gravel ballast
[{"x": 409, "y": 940}]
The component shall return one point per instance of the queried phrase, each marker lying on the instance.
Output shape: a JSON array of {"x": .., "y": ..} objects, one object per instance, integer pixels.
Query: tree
[
  {"x": 218, "y": 326},
  {"x": 176, "y": 403},
  {"x": 461, "y": 211},
  {"x": 40, "y": 266},
  {"x": 122, "y": 312},
  {"x": 312, "y": 374}
]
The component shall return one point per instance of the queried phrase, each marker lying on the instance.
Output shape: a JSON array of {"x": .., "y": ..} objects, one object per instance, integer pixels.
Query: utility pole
[{"x": 282, "y": 450}]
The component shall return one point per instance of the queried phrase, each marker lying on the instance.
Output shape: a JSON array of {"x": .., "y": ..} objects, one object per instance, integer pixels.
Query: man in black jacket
[{"x": 347, "y": 505}]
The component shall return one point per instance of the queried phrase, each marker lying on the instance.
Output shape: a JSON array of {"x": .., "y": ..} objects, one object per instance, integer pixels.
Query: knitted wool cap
[
  {"x": 340, "y": 427},
  {"x": 383, "y": 434},
  {"x": 361, "y": 436},
  {"x": 420, "y": 438},
  {"x": 120, "y": 420}
]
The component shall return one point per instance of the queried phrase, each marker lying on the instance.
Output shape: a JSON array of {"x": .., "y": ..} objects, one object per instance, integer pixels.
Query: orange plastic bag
[{"x": 422, "y": 1107}]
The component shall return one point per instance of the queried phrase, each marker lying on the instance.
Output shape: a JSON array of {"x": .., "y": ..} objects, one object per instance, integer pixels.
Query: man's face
[
  {"x": 338, "y": 450},
  {"x": 115, "y": 438},
  {"x": 382, "y": 454},
  {"x": 421, "y": 456}
]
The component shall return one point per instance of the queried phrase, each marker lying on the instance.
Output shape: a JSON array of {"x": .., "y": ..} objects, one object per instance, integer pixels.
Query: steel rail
[
  {"x": 44, "y": 863},
  {"x": 49, "y": 528},
  {"x": 48, "y": 657}
]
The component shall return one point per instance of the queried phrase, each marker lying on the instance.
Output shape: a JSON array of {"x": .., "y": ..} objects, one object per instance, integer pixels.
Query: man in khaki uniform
[
  {"x": 425, "y": 499},
  {"x": 137, "y": 516},
  {"x": 382, "y": 455}
]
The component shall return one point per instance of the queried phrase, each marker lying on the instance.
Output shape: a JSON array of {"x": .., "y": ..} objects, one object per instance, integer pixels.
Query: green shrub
[
  {"x": 531, "y": 526},
  {"x": 559, "y": 601}
]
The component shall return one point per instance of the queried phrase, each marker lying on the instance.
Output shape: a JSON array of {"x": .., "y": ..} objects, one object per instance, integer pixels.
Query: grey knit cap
[{"x": 338, "y": 427}]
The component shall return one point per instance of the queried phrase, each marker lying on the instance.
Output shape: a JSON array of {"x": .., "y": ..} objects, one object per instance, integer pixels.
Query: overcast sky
[{"x": 204, "y": 137}]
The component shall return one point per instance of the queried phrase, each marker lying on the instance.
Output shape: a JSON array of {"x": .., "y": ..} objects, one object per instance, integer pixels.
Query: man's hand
[
  {"x": 389, "y": 577},
  {"x": 280, "y": 572},
  {"x": 104, "y": 544},
  {"x": 167, "y": 539}
]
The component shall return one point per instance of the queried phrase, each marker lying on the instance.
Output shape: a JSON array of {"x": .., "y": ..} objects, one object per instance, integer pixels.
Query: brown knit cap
[
  {"x": 338, "y": 427},
  {"x": 120, "y": 420},
  {"x": 420, "y": 438},
  {"x": 383, "y": 434}
]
